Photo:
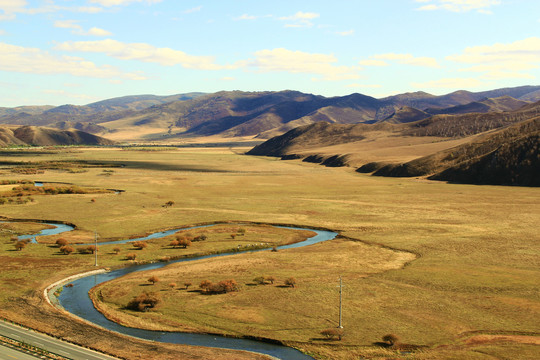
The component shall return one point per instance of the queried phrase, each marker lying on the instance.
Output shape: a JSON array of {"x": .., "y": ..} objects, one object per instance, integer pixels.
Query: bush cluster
[{"x": 222, "y": 287}]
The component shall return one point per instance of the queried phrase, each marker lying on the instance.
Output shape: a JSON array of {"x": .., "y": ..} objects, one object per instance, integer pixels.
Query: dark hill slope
[
  {"x": 316, "y": 135},
  {"x": 509, "y": 156},
  {"x": 33, "y": 135}
]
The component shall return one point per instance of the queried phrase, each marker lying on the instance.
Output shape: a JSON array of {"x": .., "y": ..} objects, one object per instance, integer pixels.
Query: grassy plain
[{"x": 477, "y": 247}]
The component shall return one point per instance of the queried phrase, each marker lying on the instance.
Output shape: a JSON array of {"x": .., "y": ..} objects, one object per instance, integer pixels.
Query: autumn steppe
[{"x": 452, "y": 269}]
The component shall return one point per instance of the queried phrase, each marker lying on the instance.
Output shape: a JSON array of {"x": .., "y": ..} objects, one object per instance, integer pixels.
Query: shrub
[
  {"x": 200, "y": 238},
  {"x": 332, "y": 333},
  {"x": 66, "y": 249},
  {"x": 290, "y": 282},
  {"x": 116, "y": 250},
  {"x": 224, "y": 286},
  {"x": 172, "y": 285},
  {"x": 144, "y": 301},
  {"x": 131, "y": 256},
  {"x": 390, "y": 339},
  {"x": 61, "y": 242},
  {"x": 270, "y": 279},
  {"x": 260, "y": 280},
  {"x": 19, "y": 245},
  {"x": 187, "y": 284},
  {"x": 153, "y": 279},
  {"x": 140, "y": 245}
]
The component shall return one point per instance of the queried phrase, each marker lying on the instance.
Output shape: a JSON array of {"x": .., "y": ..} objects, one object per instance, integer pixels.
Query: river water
[{"x": 75, "y": 299}]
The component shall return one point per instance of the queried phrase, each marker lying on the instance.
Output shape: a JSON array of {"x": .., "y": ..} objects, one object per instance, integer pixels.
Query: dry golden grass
[{"x": 478, "y": 246}]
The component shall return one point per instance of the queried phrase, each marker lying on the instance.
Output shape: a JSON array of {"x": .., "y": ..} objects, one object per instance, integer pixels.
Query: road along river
[{"x": 75, "y": 299}]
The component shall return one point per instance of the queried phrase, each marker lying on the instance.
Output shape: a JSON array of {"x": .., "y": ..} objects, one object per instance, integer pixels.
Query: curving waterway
[{"x": 76, "y": 300}]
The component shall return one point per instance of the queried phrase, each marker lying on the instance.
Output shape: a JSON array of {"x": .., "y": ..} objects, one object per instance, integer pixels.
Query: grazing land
[{"x": 452, "y": 270}]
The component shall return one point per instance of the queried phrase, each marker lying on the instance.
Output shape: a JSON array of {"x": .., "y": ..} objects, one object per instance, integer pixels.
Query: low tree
[
  {"x": 332, "y": 333},
  {"x": 200, "y": 238},
  {"x": 187, "y": 284},
  {"x": 174, "y": 243},
  {"x": 290, "y": 282},
  {"x": 153, "y": 279},
  {"x": 184, "y": 242},
  {"x": 270, "y": 279},
  {"x": 19, "y": 245},
  {"x": 390, "y": 339},
  {"x": 116, "y": 250},
  {"x": 172, "y": 285},
  {"x": 233, "y": 236},
  {"x": 144, "y": 302},
  {"x": 140, "y": 245},
  {"x": 66, "y": 249},
  {"x": 61, "y": 242},
  {"x": 131, "y": 256},
  {"x": 205, "y": 285},
  {"x": 224, "y": 286},
  {"x": 260, "y": 280}
]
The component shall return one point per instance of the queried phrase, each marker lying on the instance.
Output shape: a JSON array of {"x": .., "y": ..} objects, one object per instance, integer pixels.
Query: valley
[{"x": 449, "y": 269}]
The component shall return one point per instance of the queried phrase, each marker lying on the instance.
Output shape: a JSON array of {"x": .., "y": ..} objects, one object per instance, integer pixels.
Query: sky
[{"x": 58, "y": 52}]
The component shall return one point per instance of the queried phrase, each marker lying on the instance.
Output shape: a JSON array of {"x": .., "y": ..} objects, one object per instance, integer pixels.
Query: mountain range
[
  {"x": 483, "y": 137},
  {"x": 260, "y": 115}
]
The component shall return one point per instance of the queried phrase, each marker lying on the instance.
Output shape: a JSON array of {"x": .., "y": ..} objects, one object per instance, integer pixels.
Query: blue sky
[{"x": 77, "y": 52}]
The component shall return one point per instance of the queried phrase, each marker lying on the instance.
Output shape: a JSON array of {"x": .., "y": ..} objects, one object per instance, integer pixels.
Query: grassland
[{"x": 476, "y": 271}]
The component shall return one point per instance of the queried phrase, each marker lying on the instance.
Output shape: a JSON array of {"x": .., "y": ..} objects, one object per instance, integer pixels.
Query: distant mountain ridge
[{"x": 257, "y": 114}]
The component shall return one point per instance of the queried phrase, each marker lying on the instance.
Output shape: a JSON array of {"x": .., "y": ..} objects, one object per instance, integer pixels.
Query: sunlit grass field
[{"x": 476, "y": 249}]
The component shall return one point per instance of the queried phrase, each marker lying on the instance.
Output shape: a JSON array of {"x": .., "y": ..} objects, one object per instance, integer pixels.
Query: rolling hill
[
  {"x": 261, "y": 115},
  {"x": 483, "y": 148},
  {"x": 40, "y": 136}
]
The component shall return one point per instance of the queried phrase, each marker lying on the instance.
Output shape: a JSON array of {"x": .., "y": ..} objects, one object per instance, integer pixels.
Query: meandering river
[{"x": 76, "y": 300}]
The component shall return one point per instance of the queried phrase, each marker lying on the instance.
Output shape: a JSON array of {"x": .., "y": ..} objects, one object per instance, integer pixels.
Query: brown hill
[
  {"x": 254, "y": 114},
  {"x": 40, "y": 136},
  {"x": 406, "y": 114},
  {"x": 500, "y": 104},
  {"x": 509, "y": 156}
]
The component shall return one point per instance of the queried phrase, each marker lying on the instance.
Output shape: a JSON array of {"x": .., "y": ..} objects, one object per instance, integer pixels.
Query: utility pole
[
  {"x": 96, "y": 249},
  {"x": 340, "y": 303}
]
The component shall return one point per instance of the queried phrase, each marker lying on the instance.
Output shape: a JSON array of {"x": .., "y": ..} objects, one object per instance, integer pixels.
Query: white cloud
[
  {"x": 143, "y": 52},
  {"x": 192, "y": 10},
  {"x": 481, "y": 6},
  {"x": 108, "y": 3},
  {"x": 246, "y": 17},
  {"x": 77, "y": 29},
  {"x": 345, "y": 33},
  {"x": 501, "y": 61},
  {"x": 36, "y": 61},
  {"x": 2, "y": 32},
  {"x": 283, "y": 60},
  {"x": 9, "y": 8},
  {"x": 373, "y": 62},
  {"x": 97, "y": 32},
  {"x": 300, "y": 19},
  {"x": 449, "y": 83},
  {"x": 407, "y": 59},
  {"x": 67, "y": 24}
]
